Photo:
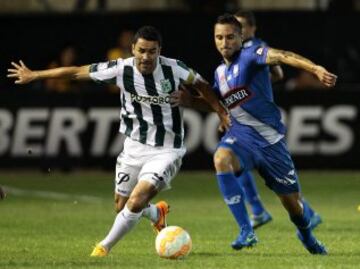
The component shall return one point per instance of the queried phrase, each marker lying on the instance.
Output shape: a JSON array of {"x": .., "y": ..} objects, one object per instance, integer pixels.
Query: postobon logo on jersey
[{"x": 154, "y": 100}]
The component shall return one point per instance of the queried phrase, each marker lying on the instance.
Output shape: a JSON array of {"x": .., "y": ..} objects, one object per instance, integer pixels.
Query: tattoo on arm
[{"x": 276, "y": 56}]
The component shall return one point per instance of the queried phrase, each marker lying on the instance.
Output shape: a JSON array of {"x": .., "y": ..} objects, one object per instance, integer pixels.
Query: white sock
[
  {"x": 151, "y": 213},
  {"x": 124, "y": 222}
]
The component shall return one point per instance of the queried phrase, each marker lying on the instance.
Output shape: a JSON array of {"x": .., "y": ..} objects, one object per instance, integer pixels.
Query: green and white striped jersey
[{"x": 146, "y": 115}]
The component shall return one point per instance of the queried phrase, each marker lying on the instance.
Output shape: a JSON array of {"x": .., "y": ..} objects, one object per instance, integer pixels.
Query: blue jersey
[{"x": 245, "y": 88}]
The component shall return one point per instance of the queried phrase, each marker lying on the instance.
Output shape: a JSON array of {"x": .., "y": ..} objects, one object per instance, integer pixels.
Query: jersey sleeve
[
  {"x": 258, "y": 56},
  {"x": 106, "y": 72},
  {"x": 186, "y": 74}
]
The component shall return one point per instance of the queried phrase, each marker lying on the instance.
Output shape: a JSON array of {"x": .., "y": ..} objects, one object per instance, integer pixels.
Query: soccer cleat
[
  {"x": 260, "y": 220},
  {"x": 313, "y": 245},
  {"x": 315, "y": 221},
  {"x": 163, "y": 210},
  {"x": 245, "y": 239},
  {"x": 99, "y": 251}
]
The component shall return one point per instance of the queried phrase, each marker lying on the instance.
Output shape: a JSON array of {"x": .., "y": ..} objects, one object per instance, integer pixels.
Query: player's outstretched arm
[
  {"x": 22, "y": 74},
  {"x": 275, "y": 56}
]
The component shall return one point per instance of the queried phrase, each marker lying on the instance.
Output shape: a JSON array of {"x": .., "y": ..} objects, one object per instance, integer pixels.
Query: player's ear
[{"x": 133, "y": 48}]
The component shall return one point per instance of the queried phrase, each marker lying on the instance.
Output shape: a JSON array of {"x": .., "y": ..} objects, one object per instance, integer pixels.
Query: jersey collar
[
  {"x": 248, "y": 42},
  {"x": 158, "y": 62}
]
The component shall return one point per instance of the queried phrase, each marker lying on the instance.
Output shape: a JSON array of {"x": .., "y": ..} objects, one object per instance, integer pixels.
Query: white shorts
[{"x": 156, "y": 165}]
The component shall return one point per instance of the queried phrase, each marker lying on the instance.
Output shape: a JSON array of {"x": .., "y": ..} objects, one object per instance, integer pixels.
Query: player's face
[
  {"x": 146, "y": 53},
  {"x": 227, "y": 40},
  {"x": 248, "y": 31}
]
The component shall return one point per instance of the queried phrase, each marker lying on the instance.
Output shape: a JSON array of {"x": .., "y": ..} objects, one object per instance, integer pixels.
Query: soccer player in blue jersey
[
  {"x": 256, "y": 136},
  {"x": 259, "y": 215}
]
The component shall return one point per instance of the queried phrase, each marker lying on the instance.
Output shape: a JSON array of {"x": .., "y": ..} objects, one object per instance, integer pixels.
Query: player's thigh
[
  {"x": 160, "y": 169},
  {"x": 126, "y": 177},
  {"x": 243, "y": 151}
]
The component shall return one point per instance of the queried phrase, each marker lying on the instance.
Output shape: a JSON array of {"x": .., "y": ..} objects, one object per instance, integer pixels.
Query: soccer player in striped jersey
[
  {"x": 154, "y": 144},
  {"x": 256, "y": 136}
]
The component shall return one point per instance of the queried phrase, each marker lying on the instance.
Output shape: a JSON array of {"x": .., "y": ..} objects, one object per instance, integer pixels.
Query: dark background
[{"x": 328, "y": 38}]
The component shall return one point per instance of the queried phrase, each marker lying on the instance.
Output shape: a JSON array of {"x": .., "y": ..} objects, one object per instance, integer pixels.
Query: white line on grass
[{"x": 52, "y": 195}]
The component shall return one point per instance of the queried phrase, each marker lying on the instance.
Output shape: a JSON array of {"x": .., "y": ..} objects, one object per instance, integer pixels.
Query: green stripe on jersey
[
  {"x": 156, "y": 110},
  {"x": 128, "y": 78},
  {"x": 128, "y": 122},
  {"x": 112, "y": 63},
  {"x": 175, "y": 111}
]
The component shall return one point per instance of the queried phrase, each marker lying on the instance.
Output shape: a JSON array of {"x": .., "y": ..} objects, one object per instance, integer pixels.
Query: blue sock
[
  {"x": 247, "y": 182},
  {"x": 303, "y": 223},
  {"x": 234, "y": 198},
  {"x": 310, "y": 210}
]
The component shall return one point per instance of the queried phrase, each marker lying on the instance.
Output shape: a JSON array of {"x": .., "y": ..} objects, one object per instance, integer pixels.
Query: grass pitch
[{"x": 53, "y": 220}]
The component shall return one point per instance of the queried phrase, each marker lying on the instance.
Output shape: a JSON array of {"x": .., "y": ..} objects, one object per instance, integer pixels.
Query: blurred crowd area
[
  {"x": 347, "y": 66},
  {"x": 326, "y": 37},
  {"x": 68, "y": 56}
]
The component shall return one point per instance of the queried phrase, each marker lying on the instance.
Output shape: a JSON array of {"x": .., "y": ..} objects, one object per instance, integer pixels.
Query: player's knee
[
  {"x": 222, "y": 160},
  {"x": 136, "y": 203},
  {"x": 292, "y": 204}
]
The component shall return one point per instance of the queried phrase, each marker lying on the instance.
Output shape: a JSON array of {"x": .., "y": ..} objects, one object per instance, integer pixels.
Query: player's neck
[{"x": 230, "y": 60}]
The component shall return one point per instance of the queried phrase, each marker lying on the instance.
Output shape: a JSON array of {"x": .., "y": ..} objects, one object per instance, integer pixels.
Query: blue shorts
[{"x": 273, "y": 162}]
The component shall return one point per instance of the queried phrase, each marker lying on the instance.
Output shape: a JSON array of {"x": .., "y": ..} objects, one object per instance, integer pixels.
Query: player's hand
[
  {"x": 183, "y": 97},
  {"x": 225, "y": 122},
  {"x": 21, "y": 73},
  {"x": 325, "y": 77},
  {"x": 2, "y": 193}
]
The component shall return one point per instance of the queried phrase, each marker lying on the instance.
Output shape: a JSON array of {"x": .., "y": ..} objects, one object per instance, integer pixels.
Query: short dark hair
[
  {"x": 248, "y": 15},
  {"x": 229, "y": 19},
  {"x": 149, "y": 33}
]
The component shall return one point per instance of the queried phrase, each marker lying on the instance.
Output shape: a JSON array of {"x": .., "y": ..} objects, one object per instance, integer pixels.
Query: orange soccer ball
[{"x": 173, "y": 242}]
